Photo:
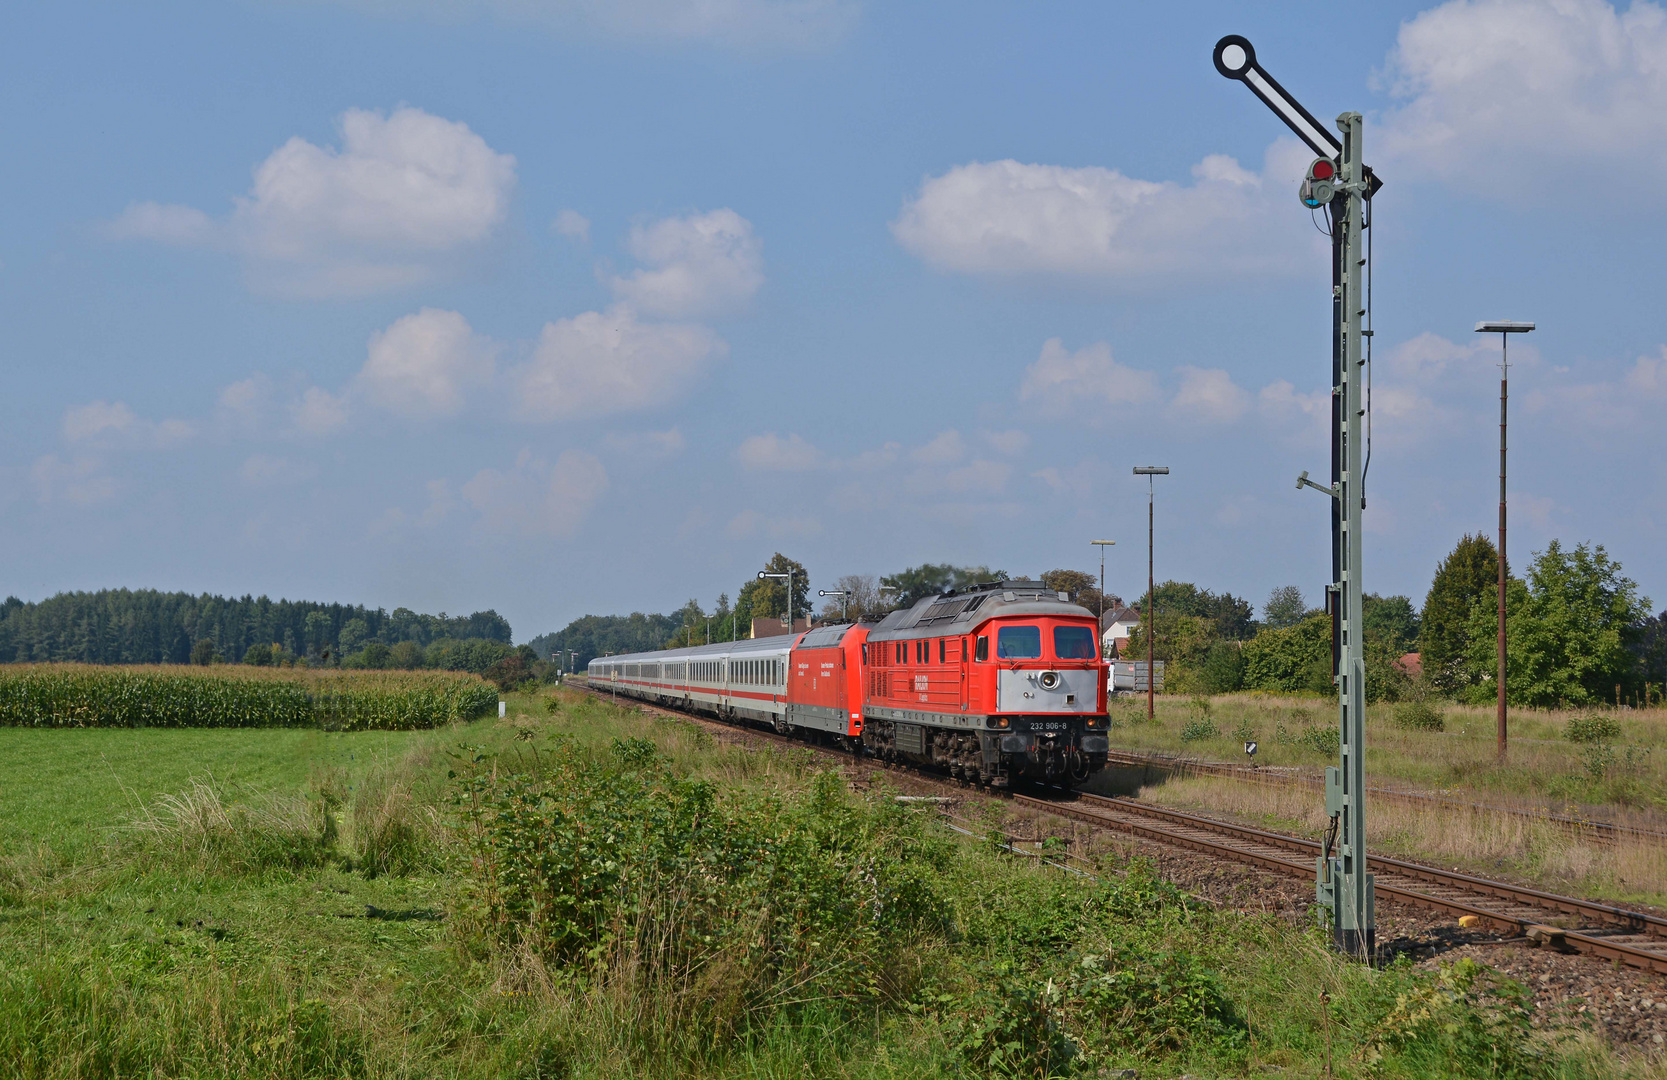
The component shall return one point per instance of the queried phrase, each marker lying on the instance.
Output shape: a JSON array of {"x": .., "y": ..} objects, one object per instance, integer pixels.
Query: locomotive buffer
[{"x": 1341, "y": 186}]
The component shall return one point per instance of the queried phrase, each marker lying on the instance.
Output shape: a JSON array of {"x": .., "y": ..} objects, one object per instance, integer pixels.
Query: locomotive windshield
[
  {"x": 1019, "y": 643},
  {"x": 1073, "y": 643}
]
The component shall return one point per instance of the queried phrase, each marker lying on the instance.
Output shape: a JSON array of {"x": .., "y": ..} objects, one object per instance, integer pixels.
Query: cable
[{"x": 1366, "y": 224}]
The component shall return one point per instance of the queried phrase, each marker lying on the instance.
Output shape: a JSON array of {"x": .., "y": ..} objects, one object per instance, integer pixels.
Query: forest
[{"x": 145, "y": 626}]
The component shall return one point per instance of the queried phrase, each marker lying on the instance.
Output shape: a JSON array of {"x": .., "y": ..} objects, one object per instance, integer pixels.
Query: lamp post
[
  {"x": 787, "y": 577},
  {"x": 1149, "y": 471},
  {"x": 883, "y": 589},
  {"x": 1102, "y": 545},
  {"x": 1504, "y": 329},
  {"x": 844, "y": 598}
]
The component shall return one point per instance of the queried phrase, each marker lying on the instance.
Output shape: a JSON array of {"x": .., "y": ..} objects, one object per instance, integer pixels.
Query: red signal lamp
[{"x": 1322, "y": 169}]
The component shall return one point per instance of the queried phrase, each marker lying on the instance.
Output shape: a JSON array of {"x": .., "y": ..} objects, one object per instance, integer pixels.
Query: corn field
[{"x": 88, "y": 695}]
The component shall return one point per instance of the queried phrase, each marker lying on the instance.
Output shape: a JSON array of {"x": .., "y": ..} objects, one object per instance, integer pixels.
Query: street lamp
[
  {"x": 1102, "y": 545},
  {"x": 787, "y": 577},
  {"x": 1149, "y": 471},
  {"x": 844, "y": 597},
  {"x": 1504, "y": 329}
]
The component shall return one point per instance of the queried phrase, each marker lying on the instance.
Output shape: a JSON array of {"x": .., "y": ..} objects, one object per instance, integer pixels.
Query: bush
[
  {"x": 1291, "y": 660},
  {"x": 1419, "y": 716},
  {"x": 1199, "y": 727},
  {"x": 1222, "y": 671},
  {"x": 1323, "y": 740},
  {"x": 735, "y": 905},
  {"x": 1592, "y": 729}
]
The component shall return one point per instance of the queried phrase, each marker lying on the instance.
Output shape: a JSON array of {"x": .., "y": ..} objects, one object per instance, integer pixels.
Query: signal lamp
[
  {"x": 1322, "y": 169},
  {"x": 1002, "y": 721}
]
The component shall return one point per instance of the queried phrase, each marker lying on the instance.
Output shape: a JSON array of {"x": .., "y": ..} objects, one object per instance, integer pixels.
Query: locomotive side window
[
  {"x": 983, "y": 652},
  {"x": 1019, "y": 643},
  {"x": 941, "y": 650}
]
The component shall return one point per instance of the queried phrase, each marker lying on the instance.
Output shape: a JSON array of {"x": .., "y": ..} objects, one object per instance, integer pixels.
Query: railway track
[
  {"x": 1562, "y": 922},
  {"x": 1589, "y": 828}
]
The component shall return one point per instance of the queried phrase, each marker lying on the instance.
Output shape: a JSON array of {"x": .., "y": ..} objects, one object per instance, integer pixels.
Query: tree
[
  {"x": 691, "y": 626},
  {"x": 1392, "y": 619},
  {"x": 1290, "y": 659},
  {"x": 1571, "y": 631},
  {"x": 1285, "y": 608},
  {"x": 352, "y": 636},
  {"x": 765, "y": 598},
  {"x": 202, "y": 652},
  {"x": 932, "y": 579},
  {"x": 1469, "y": 576},
  {"x": 1651, "y": 650},
  {"x": 862, "y": 604},
  {"x": 1231, "y": 616}
]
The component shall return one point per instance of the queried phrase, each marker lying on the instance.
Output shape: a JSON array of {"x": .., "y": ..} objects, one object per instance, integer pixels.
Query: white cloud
[
  {"x": 1007, "y": 442},
  {"x": 1004, "y": 217},
  {"x": 648, "y": 444},
  {"x": 945, "y": 448},
  {"x": 78, "y": 482},
  {"x": 772, "y": 453},
  {"x": 573, "y": 225},
  {"x": 535, "y": 497},
  {"x": 1209, "y": 394},
  {"x": 242, "y": 405},
  {"x": 1527, "y": 91},
  {"x": 423, "y": 364},
  {"x": 1649, "y": 375},
  {"x": 404, "y": 194},
  {"x": 1302, "y": 417},
  {"x": 797, "y": 24},
  {"x": 267, "y": 470},
  {"x": 700, "y": 264},
  {"x": 116, "y": 423},
  {"x": 603, "y": 362},
  {"x": 1061, "y": 379},
  {"x": 319, "y": 412}
]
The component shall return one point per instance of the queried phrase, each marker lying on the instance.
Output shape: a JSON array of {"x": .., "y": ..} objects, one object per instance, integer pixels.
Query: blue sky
[{"x": 559, "y": 306}]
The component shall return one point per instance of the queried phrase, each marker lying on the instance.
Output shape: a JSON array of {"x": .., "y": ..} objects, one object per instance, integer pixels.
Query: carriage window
[
  {"x": 943, "y": 648},
  {"x": 983, "y": 652},
  {"x": 1019, "y": 643}
]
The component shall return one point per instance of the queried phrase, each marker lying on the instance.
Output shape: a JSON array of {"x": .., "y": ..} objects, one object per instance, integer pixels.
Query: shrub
[
  {"x": 1323, "y": 740},
  {"x": 735, "y": 905},
  {"x": 1419, "y": 716},
  {"x": 1198, "y": 728},
  {"x": 1592, "y": 729}
]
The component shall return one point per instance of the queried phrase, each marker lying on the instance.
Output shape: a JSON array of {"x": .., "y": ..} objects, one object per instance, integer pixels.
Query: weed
[
  {"x": 1419, "y": 716},
  {"x": 1199, "y": 728},
  {"x": 1592, "y": 729}
]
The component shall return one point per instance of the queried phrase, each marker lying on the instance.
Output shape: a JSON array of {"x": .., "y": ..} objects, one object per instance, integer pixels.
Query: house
[
  {"x": 776, "y": 626},
  {"x": 1413, "y": 664},
  {"x": 1115, "y": 628}
]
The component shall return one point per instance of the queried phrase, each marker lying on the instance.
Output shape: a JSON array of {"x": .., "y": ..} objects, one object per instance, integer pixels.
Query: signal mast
[{"x": 1340, "y": 185}]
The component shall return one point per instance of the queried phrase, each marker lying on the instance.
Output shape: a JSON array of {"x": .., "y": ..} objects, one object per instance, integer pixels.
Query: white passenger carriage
[{"x": 740, "y": 679}]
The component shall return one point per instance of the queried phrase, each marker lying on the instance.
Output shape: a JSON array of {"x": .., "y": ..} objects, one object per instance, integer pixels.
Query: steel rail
[
  {"x": 1124, "y": 815},
  {"x": 1602, "y": 830}
]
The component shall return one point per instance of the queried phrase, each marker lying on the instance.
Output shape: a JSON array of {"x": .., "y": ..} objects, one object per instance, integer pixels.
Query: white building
[{"x": 1119, "y": 622}]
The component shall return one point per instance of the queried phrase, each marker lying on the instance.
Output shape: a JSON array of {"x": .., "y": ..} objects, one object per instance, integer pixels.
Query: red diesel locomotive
[{"x": 992, "y": 683}]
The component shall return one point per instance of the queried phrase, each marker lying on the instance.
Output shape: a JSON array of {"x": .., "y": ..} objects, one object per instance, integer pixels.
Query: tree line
[
  {"x": 1578, "y": 632},
  {"x": 145, "y": 626}
]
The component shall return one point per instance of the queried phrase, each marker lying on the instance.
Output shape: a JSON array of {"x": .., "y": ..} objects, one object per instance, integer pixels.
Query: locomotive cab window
[
  {"x": 1073, "y": 643},
  {"x": 983, "y": 648},
  {"x": 1019, "y": 643}
]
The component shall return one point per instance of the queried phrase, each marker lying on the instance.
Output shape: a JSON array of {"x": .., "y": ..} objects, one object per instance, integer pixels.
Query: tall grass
[{"x": 87, "y": 695}]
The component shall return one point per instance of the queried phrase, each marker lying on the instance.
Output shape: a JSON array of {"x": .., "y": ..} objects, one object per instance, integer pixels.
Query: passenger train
[{"x": 993, "y": 683}]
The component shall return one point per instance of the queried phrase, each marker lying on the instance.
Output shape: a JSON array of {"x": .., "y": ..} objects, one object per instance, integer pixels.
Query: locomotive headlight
[
  {"x": 1001, "y": 722},
  {"x": 1049, "y": 680}
]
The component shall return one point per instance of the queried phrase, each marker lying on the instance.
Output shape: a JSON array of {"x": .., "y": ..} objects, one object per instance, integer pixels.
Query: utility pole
[
  {"x": 1149, "y": 471},
  {"x": 1504, "y": 329},
  {"x": 1102, "y": 545},
  {"x": 1339, "y": 185},
  {"x": 788, "y": 578}
]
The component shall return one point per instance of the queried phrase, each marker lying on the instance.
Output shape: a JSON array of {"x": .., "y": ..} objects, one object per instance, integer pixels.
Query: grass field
[
  {"x": 275, "y": 903},
  {"x": 1623, "y": 779}
]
